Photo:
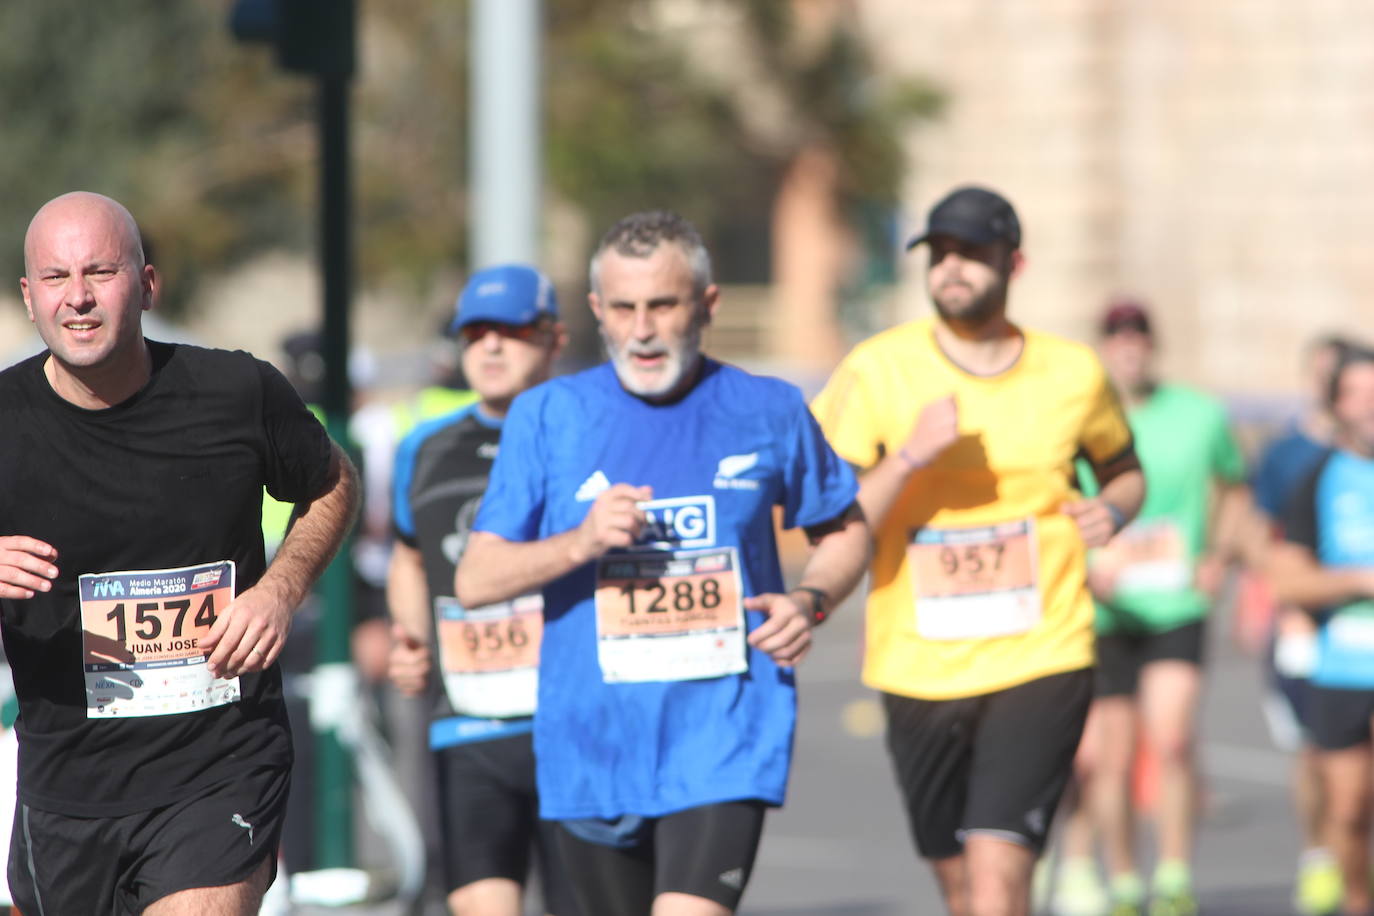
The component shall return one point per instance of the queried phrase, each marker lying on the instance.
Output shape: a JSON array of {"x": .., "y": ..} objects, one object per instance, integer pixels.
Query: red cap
[{"x": 1125, "y": 315}]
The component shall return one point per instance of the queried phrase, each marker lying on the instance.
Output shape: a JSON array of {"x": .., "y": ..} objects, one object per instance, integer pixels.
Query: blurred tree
[
  {"x": 842, "y": 159},
  {"x": 143, "y": 100},
  {"x": 214, "y": 148},
  {"x": 631, "y": 126},
  {"x": 834, "y": 97}
]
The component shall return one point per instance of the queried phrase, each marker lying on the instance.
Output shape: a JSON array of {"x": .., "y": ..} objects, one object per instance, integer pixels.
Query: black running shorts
[
  {"x": 120, "y": 865},
  {"x": 995, "y": 763},
  {"x": 489, "y": 818},
  {"x": 1338, "y": 718},
  {"x": 1121, "y": 656},
  {"x": 706, "y": 852}
]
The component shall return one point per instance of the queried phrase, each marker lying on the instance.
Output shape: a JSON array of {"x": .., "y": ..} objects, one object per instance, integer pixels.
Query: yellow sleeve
[
  {"x": 1106, "y": 435},
  {"x": 844, "y": 409}
]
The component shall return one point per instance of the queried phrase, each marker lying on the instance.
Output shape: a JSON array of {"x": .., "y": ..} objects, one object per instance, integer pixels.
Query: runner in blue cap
[{"x": 483, "y": 691}]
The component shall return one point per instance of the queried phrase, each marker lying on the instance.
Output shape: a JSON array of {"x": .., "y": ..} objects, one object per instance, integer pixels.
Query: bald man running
[{"x": 139, "y": 614}]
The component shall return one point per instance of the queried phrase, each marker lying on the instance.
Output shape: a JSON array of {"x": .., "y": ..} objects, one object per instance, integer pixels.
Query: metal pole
[
  {"x": 504, "y": 175},
  {"x": 333, "y": 672}
]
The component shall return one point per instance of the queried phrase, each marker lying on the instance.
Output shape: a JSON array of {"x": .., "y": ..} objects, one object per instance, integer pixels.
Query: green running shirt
[{"x": 1185, "y": 444}]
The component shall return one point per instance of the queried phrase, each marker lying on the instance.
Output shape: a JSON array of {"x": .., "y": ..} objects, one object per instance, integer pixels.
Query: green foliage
[
  {"x": 837, "y": 100},
  {"x": 139, "y": 100},
  {"x": 214, "y": 149},
  {"x": 410, "y": 142},
  {"x": 629, "y": 128}
]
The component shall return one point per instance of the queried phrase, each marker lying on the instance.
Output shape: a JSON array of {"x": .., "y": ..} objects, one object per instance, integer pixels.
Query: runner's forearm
[
  {"x": 407, "y": 596},
  {"x": 1299, "y": 579},
  {"x": 495, "y": 569},
  {"x": 1226, "y": 535},
  {"x": 1320, "y": 588},
  {"x": 1257, "y": 533},
  {"x": 880, "y": 487},
  {"x": 315, "y": 536},
  {"x": 838, "y": 561},
  {"x": 1126, "y": 492}
]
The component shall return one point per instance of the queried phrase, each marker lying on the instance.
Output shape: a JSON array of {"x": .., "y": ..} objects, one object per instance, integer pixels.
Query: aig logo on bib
[{"x": 686, "y": 521}]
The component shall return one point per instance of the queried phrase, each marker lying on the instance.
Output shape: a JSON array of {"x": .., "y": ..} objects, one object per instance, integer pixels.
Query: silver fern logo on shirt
[{"x": 731, "y": 467}]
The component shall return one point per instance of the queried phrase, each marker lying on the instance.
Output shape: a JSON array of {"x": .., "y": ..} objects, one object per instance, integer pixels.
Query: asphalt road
[{"x": 840, "y": 846}]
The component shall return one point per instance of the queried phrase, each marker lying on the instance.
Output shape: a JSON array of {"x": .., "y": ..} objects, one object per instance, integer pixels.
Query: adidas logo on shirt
[{"x": 591, "y": 487}]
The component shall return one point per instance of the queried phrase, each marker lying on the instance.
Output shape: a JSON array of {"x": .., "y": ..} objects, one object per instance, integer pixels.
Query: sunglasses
[{"x": 480, "y": 329}]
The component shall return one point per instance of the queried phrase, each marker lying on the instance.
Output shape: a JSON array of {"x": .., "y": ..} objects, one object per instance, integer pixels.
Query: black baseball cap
[{"x": 972, "y": 214}]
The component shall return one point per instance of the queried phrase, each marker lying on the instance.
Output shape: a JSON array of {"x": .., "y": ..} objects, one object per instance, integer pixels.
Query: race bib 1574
[{"x": 141, "y": 633}]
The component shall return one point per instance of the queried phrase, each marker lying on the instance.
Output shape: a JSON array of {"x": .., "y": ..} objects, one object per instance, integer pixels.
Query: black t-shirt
[
  {"x": 1311, "y": 516},
  {"x": 440, "y": 475},
  {"x": 171, "y": 477},
  {"x": 1301, "y": 516}
]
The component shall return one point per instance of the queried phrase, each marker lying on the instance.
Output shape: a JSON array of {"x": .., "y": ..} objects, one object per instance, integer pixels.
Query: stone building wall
[{"x": 1215, "y": 158}]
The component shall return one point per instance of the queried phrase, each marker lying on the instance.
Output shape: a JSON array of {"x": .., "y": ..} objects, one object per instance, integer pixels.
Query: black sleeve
[
  {"x": 1300, "y": 511},
  {"x": 298, "y": 448}
]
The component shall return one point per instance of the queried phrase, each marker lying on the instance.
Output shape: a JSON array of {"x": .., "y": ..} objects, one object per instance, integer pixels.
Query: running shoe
[
  {"x": 1079, "y": 891},
  {"x": 1318, "y": 888},
  {"x": 1127, "y": 896},
  {"x": 1171, "y": 890},
  {"x": 1182, "y": 903},
  {"x": 1041, "y": 880}
]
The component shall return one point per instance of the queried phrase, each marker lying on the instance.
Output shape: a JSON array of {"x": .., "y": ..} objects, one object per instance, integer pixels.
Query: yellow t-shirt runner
[{"x": 977, "y": 580}]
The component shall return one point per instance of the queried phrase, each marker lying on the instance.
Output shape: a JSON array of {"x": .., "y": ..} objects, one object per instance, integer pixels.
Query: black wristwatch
[{"x": 818, "y": 599}]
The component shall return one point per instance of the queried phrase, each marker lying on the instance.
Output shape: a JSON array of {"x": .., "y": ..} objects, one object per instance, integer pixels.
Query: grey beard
[{"x": 688, "y": 351}]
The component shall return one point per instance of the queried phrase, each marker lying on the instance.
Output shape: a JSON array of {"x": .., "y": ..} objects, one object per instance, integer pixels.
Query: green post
[
  {"x": 333, "y": 783},
  {"x": 318, "y": 38},
  {"x": 334, "y": 674}
]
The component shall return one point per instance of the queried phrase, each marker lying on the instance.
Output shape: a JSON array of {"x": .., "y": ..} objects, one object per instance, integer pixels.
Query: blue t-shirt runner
[
  {"x": 639, "y": 497},
  {"x": 650, "y": 700},
  {"x": 440, "y": 475},
  {"x": 1332, "y": 514},
  {"x": 478, "y": 664}
]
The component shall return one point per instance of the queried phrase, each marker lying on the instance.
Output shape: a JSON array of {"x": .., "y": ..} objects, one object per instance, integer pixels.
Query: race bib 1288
[{"x": 669, "y": 615}]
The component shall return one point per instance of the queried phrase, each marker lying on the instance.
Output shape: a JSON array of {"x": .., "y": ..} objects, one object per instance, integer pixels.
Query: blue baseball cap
[{"x": 506, "y": 294}]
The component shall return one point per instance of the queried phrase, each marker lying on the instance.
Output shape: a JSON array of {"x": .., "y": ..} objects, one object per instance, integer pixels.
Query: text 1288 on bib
[{"x": 669, "y": 615}]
